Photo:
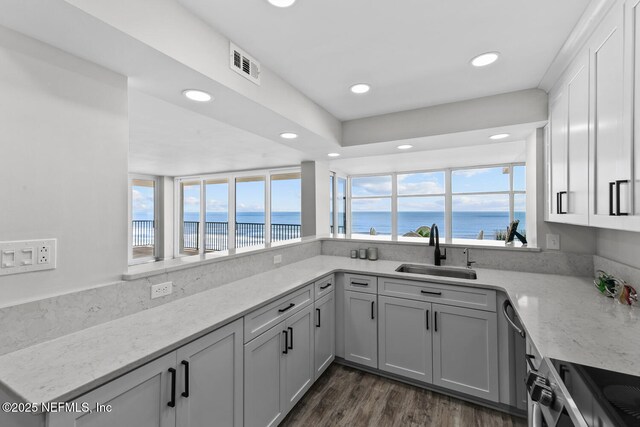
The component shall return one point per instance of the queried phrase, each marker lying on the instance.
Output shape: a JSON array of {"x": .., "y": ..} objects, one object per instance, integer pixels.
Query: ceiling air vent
[{"x": 244, "y": 64}]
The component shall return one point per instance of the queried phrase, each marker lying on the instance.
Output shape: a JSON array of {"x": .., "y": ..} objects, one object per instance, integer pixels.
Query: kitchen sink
[{"x": 458, "y": 273}]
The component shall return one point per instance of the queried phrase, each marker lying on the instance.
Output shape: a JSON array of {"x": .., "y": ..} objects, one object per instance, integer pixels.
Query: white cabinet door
[
  {"x": 465, "y": 351},
  {"x": 360, "y": 328},
  {"x": 632, "y": 14},
  {"x": 140, "y": 398},
  {"x": 576, "y": 199},
  {"x": 612, "y": 143},
  {"x": 404, "y": 331},
  {"x": 325, "y": 333},
  {"x": 299, "y": 355},
  {"x": 264, "y": 377},
  {"x": 557, "y": 155},
  {"x": 210, "y": 379}
]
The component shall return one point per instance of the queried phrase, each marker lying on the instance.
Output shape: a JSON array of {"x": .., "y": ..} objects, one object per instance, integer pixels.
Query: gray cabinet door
[
  {"x": 299, "y": 357},
  {"x": 404, "y": 332},
  {"x": 325, "y": 333},
  {"x": 139, "y": 398},
  {"x": 214, "y": 394},
  {"x": 264, "y": 377},
  {"x": 361, "y": 328},
  {"x": 465, "y": 351}
]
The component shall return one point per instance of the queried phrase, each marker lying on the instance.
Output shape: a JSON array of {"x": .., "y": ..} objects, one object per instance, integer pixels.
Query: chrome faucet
[
  {"x": 466, "y": 252},
  {"x": 437, "y": 256}
]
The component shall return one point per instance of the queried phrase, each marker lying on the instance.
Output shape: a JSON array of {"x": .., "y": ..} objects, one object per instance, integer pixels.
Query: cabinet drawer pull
[
  {"x": 560, "y": 210},
  {"x": 325, "y": 286},
  {"x": 282, "y": 310},
  {"x": 359, "y": 284},
  {"x": 611, "y": 185},
  {"x": 291, "y": 336},
  {"x": 622, "y": 181},
  {"x": 318, "y": 323},
  {"x": 286, "y": 342},
  {"x": 435, "y": 321},
  {"x": 430, "y": 292},
  {"x": 373, "y": 309},
  {"x": 427, "y": 316},
  {"x": 172, "y": 402},
  {"x": 185, "y": 393}
]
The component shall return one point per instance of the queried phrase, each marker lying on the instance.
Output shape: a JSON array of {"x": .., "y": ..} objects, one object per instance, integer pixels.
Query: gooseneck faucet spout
[{"x": 437, "y": 255}]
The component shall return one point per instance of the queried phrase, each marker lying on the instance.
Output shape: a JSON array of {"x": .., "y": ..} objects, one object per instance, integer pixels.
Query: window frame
[
  {"x": 448, "y": 195},
  {"x": 231, "y": 178},
  {"x": 157, "y": 234}
]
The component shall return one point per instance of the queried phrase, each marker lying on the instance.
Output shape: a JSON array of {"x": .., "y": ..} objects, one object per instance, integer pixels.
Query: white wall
[
  {"x": 619, "y": 246},
  {"x": 63, "y": 163},
  {"x": 315, "y": 198}
]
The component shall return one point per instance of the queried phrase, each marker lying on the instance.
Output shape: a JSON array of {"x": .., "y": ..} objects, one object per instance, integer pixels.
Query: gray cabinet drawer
[
  {"x": 361, "y": 283},
  {"x": 481, "y": 299},
  {"x": 324, "y": 286},
  {"x": 260, "y": 320}
]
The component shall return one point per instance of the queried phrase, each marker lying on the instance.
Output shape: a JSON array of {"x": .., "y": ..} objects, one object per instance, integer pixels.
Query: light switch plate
[
  {"x": 553, "y": 242},
  {"x": 25, "y": 256},
  {"x": 277, "y": 259}
]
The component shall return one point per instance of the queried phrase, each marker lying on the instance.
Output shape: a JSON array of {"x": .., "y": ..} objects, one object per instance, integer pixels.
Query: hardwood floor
[{"x": 345, "y": 396}]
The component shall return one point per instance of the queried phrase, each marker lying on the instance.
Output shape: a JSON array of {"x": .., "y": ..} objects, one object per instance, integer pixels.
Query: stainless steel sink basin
[{"x": 457, "y": 273}]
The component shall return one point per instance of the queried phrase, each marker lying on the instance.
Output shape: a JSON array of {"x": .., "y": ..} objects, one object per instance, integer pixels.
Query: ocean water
[{"x": 465, "y": 224}]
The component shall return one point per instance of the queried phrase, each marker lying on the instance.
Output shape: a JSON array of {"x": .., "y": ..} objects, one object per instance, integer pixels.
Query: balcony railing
[
  {"x": 341, "y": 229},
  {"x": 216, "y": 234},
  {"x": 142, "y": 233}
]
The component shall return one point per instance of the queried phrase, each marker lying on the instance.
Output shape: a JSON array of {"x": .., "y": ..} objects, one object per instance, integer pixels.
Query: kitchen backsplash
[
  {"x": 29, "y": 323},
  {"x": 552, "y": 262}
]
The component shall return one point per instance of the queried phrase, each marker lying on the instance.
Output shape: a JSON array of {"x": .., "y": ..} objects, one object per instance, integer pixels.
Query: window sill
[{"x": 455, "y": 243}]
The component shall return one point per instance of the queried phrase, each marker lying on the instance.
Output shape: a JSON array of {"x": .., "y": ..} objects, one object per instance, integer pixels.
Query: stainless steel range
[{"x": 569, "y": 394}]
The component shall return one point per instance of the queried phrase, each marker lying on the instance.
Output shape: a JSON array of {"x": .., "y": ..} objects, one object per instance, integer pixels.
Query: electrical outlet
[
  {"x": 277, "y": 259},
  {"x": 43, "y": 254},
  {"x": 25, "y": 256},
  {"x": 161, "y": 290},
  {"x": 553, "y": 242}
]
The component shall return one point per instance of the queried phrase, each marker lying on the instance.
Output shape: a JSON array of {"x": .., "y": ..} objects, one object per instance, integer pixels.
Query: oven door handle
[{"x": 505, "y": 306}]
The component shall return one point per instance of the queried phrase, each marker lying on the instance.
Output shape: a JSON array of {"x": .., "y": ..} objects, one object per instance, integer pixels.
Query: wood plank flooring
[{"x": 345, "y": 396}]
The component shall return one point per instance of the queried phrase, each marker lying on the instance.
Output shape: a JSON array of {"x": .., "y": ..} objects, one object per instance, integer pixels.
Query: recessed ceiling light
[
  {"x": 404, "y": 147},
  {"x": 360, "y": 88},
  {"x": 499, "y": 136},
  {"x": 282, "y": 3},
  {"x": 485, "y": 59},
  {"x": 289, "y": 135},
  {"x": 197, "y": 95},
  {"x": 333, "y": 154}
]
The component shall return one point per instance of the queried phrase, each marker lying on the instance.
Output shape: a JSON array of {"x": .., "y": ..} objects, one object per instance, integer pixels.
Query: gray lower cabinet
[
  {"x": 465, "y": 351},
  {"x": 143, "y": 398},
  {"x": 404, "y": 332},
  {"x": 278, "y": 369},
  {"x": 361, "y": 328},
  {"x": 324, "y": 333}
]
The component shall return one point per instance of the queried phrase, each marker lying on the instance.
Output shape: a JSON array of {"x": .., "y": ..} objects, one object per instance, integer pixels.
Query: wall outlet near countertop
[
  {"x": 553, "y": 242},
  {"x": 277, "y": 259},
  {"x": 161, "y": 290},
  {"x": 25, "y": 256}
]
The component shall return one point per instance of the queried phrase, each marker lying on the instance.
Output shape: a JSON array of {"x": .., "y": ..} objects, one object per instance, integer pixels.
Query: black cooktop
[{"x": 617, "y": 394}]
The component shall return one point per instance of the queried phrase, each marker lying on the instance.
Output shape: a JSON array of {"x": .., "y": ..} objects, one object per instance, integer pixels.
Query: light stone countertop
[{"x": 565, "y": 317}]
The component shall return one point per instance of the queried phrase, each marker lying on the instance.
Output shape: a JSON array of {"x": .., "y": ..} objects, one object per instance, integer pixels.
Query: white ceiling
[
  {"x": 414, "y": 53},
  {"x": 165, "y": 139}
]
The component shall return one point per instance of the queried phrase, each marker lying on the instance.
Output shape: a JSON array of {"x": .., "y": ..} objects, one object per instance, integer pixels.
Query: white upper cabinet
[{"x": 593, "y": 152}]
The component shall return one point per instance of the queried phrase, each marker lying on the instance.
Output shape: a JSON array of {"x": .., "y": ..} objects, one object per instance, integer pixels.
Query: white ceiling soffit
[
  {"x": 169, "y": 140},
  {"x": 437, "y": 159},
  {"x": 413, "y": 53}
]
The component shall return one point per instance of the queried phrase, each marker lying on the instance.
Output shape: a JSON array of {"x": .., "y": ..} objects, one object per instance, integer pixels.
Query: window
[
  {"x": 250, "y": 211},
  {"x": 466, "y": 204},
  {"x": 143, "y": 219},
  {"x": 285, "y": 206},
  {"x": 341, "y": 203},
  {"x": 331, "y": 201},
  {"x": 216, "y": 214},
  {"x": 190, "y": 217},
  {"x": 371, "y": 205},
  {"x": 421, "y": 202},
  {"x": 236, "y": 210}
]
